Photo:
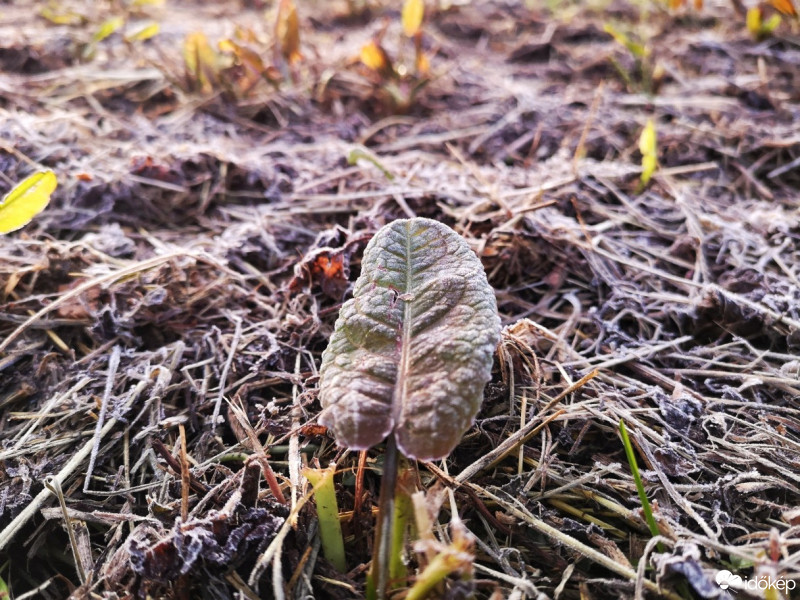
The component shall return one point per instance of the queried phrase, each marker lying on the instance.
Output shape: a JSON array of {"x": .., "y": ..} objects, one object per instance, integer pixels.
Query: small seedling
[
  {"x": 236, "y": 66},
  {"x": 646, "y": 74},
  {"x": 440, "y": 559},
  {"x": 125, "y": 16},
  {"x": 758, "y": 27},
  {"x": 26, "y": 200},
  {"x": 409, "y": 356},
  {"x": 399, "y": 82},
  {"x": 362, "y": 153}
]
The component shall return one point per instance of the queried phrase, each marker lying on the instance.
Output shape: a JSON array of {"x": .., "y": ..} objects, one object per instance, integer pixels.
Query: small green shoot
[
  {"x": 637, "y": 478},
  {"x": 330, "y": 528},
  {"x": 648, "y": 148},
  {"x": 360, "y": 152}
]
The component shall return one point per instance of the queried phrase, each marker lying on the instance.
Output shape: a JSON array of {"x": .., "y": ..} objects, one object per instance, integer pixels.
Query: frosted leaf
[{"x": 412, "y": 350}]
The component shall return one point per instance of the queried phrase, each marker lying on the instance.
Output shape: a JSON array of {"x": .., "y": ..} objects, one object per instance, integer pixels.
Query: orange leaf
[
  {"x": 287, "y": 30},
  {"x": 374, "y": 56},
  {"x": 423, "y": 64},
  {"x": 784, "y": 6}
]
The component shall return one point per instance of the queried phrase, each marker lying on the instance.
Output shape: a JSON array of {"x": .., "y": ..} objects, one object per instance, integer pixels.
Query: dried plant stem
[
  {"x": 186, "y": 476},
  {"x": 113, "y": 365},
  {"x": 7, "y": 534},
  {"x": 55, "y": 487},
  {"x": 237, "y": 335},
  {"x": 84, "y": 287},
  {"x": 522, "y": 435},
  {"x": 587, "y": 551}
]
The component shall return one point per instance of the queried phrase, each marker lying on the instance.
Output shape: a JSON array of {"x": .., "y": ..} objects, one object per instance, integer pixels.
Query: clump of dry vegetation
[{"x": 162, "y": 321}]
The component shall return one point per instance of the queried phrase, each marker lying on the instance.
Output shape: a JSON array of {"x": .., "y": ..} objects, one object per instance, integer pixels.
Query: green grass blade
[
  {"x": 330, "y": 528},
  {"x": 637, "y": 478}
]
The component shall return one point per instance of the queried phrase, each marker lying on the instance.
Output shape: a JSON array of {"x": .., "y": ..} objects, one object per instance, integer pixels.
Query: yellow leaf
[
  {"x": 62, "y": 18},
  {"x": 108, "y": 27},
  {"x": 200, "y": 59},
  {"x": 143, "y": 33},
  {"x": 374, "y": 56},
  {"x": 647, "y": 146},
  {"x": 754, "y": 21},
  {"x": 287, "y": 30},
  {"x": 413, "y": 13},
  {"x": 142, "y": 3},
  {"x": 26, "y": 200}
]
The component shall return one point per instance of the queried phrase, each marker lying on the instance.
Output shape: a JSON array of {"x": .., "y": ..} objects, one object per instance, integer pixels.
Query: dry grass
[{"x": 161, "y": 323}]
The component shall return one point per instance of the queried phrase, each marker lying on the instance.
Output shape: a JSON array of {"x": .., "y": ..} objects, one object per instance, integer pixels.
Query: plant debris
[{"x": 162, "y": 320}]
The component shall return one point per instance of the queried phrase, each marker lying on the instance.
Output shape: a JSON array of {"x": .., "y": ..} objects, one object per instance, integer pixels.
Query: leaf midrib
[{"x": 398, "y": 401}]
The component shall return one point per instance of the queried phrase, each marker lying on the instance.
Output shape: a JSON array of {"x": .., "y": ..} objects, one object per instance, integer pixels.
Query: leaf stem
[{"x": 381, "y": 558}]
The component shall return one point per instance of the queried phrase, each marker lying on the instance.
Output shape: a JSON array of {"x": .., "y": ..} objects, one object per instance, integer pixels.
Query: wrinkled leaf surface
[{"x": 412, "y": 350}]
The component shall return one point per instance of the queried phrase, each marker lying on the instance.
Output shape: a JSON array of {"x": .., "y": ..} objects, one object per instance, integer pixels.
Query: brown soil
[{"x": 193, "y": 259}]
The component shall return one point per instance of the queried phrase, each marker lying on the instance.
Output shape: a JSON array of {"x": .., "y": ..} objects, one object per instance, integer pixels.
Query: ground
[{"x": 162, "y": 321}]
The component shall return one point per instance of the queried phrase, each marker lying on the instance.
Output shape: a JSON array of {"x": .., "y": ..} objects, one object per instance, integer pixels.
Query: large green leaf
[{"x": 412, "y": 350}]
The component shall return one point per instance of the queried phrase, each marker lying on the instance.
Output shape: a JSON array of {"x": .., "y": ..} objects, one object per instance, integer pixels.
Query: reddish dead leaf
[
  {"x": 79, "y": 308},
  {"x": 325, "y": 267},
  {"x": 313, "y": 430},
  {"x": 147, "y": 168}
]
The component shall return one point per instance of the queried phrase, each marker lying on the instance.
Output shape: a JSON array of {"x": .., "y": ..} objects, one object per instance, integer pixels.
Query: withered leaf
[{"x": 412, "y": 350}]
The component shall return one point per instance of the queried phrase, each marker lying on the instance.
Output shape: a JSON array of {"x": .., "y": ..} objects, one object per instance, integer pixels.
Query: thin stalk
[{"x": 381, "y": 557}]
